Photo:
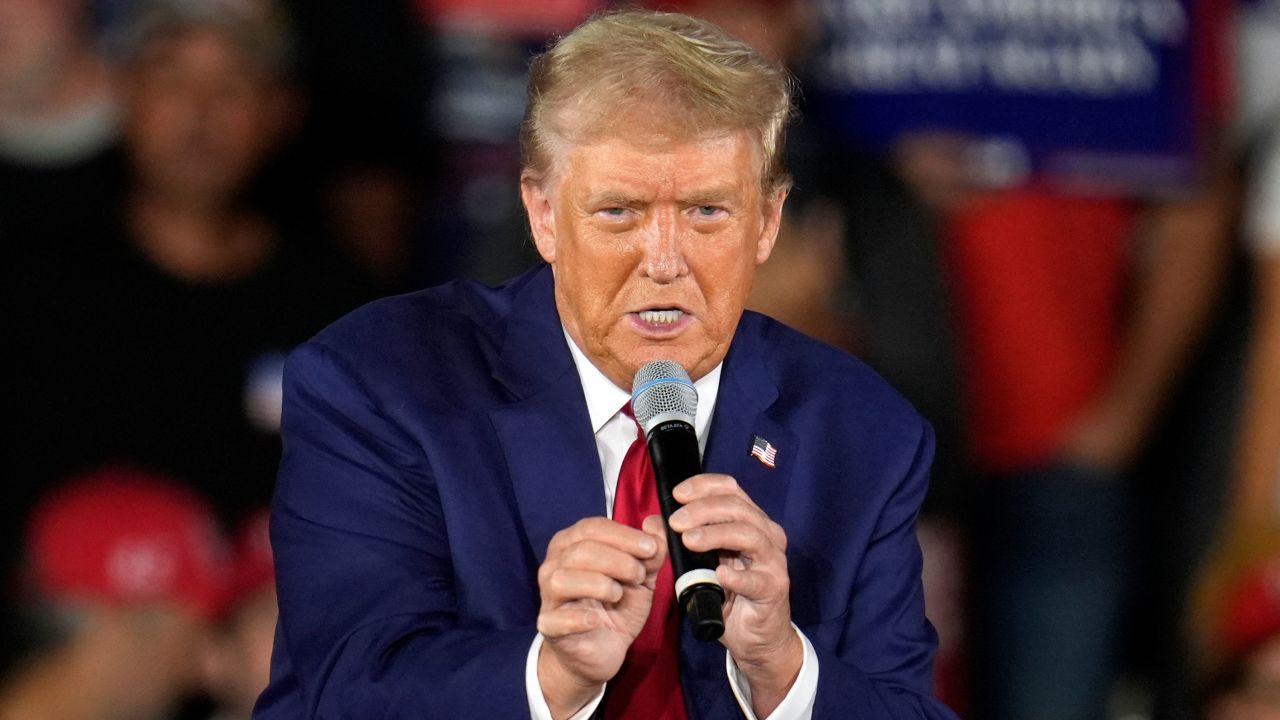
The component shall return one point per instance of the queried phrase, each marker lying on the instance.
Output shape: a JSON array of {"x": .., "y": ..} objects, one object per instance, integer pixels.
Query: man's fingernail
[
  {"x": 649, "y": 545},
  {"x": 694, "y": 535}
]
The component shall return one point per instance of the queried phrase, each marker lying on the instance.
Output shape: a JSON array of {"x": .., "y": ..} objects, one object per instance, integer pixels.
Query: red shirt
[{"x": 1039, "y": 282}]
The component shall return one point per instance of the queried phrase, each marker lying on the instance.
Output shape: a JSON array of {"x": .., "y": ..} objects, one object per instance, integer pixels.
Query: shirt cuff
[
  {"x": 538, "y": 709},
  {"x": 797, "y": 705}
]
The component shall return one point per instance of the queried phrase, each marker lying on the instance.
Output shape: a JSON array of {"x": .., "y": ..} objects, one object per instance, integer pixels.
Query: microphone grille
[{"x": 662, "y": 387}]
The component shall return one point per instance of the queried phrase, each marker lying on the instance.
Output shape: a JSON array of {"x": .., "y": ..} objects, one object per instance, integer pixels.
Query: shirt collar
[{"x": 604, "y": 399}]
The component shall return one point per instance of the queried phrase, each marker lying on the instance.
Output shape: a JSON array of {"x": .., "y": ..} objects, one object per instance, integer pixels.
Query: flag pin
[{"x": 764, "y": 451}]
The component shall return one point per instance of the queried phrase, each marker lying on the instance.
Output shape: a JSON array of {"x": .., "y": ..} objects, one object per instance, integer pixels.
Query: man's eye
[
  {"x": 709, "y": 211},
  {"x": 613, "y": 212}
]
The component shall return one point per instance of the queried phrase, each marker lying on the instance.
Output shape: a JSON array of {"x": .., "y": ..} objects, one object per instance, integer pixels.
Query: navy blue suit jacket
[{"x": 433, "y": 444}]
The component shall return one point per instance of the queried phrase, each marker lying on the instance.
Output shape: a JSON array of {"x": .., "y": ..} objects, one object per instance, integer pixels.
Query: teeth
[{"x": 660, "y": 317}]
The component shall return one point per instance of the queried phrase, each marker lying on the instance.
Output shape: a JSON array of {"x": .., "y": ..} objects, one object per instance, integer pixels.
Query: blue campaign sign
[{"x": 1096, "y": 91}]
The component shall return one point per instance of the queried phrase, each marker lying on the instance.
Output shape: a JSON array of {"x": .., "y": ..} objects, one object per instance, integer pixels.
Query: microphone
[{"x": 665, "y": 403}]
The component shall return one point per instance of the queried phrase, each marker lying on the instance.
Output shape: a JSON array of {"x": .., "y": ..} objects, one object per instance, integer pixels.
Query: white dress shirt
[{"x": 614, "y": 433}]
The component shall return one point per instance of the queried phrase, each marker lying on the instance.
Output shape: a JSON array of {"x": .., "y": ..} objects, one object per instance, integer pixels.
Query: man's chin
[{"x": 688, "y": 358}]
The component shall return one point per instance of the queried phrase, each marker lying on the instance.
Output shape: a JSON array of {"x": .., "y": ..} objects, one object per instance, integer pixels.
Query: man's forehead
[
  {"x": 710, "y": 165},
  {"x": 203, "y": 42}
]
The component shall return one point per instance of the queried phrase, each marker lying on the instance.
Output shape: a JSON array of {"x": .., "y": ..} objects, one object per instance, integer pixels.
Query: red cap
[
  {"x": 126, "y": 536},
  {"x": 1252, "y": 610},
  {"x": 252, "y": 568}
]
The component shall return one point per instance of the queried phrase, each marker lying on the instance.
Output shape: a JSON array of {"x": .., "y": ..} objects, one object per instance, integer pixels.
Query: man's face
[
  {"x": 654, "y": 242},
  {"x": 201, "y": 115}
]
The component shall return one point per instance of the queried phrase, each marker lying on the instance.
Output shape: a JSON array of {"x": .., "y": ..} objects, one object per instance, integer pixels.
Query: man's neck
[
  {"x": 200, "y": 243},
  {"x": 604, "y": 397}
]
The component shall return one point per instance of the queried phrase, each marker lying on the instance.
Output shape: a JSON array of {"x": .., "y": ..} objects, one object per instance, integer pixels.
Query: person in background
[
  {"x": 1253, "y": 505},
  {"x": 1084, "y": 327},
  {"x": 124, "y": 568},
  {"x": 1071, "y": 351},
  {"x": 1257, "y": 499},
  {"x": 364, "y": 154},
  {"x": 1252, "y": 520},
  {"x": 166, "y": 343},
  {"x": 59, "y": 117},
  {"x": 238, "y": 663}
]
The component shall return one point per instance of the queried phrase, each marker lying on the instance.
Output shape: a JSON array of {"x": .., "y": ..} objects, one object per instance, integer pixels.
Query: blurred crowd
[{"x": 190, "y": 188}]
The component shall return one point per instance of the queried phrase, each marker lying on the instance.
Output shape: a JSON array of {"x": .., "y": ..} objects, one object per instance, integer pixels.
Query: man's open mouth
[{"x": 660, "y": 317}]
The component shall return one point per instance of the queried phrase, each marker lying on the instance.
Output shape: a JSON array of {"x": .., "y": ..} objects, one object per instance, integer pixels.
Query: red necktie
[{"x": 648, "y": 685}]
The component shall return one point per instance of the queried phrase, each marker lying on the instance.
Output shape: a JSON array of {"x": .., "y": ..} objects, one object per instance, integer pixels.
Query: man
[
  {"x": 59, "y": 117},
  {"x": 124, "y": 571},
  {"x": 192, "y": 290},
  {"x": 449, "y": 455}
]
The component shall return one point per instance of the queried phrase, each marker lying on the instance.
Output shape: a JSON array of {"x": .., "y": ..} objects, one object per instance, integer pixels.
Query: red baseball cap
[{"x": 122, "y": 535}]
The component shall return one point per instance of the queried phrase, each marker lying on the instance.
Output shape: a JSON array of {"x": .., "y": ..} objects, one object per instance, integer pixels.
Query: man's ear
[
  {"x": 772, "y": 209},
  {"x": 537, "y": 204}
]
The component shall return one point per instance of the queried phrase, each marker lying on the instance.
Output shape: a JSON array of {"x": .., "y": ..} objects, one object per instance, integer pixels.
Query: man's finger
[
  {"x": 567, "y": 585},
  {"x": 717, "y": 509},
  {"x": 603, "y": 530},
  {"x": 735, "y": 507},
  {"x": 755, "y": 585},
  {"x": 655, "y": 527},
  {"x": 706, "y": 485},
  {"x": 568, "y": 621},
  {"x": 740, "y": 537},
  {"x": 599, "y": 557}
]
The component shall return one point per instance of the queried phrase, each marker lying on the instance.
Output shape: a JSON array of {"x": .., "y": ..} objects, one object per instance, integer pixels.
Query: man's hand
[
  {"x": 597, "y": 588},
  {"x": 718, "y": 515},
  {"x": 1107, "y": 435}
]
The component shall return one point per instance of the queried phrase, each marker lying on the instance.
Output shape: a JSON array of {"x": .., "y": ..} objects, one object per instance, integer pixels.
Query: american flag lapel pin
[{"x": 764, "y": 451}]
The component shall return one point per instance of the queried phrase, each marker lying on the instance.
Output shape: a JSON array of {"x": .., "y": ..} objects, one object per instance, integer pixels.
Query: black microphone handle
[{"x": 673, "y": 450}]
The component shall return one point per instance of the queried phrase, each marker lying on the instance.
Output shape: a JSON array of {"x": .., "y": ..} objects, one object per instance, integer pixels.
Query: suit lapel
[
  {"x": 747, "y": 390},
  {"x": 545, "y": 432},
  {"x": 552, "y": 459}
]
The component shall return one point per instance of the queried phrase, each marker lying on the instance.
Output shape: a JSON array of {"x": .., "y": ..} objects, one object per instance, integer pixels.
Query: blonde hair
[{"x": 638, "y": 63}]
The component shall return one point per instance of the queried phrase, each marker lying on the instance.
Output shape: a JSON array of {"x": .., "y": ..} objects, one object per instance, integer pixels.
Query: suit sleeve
[
  {"x": 878, "y": 663},
  {"x": 368, "y": 623}
]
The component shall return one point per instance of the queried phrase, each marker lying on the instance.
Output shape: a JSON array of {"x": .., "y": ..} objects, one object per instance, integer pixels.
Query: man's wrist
[
  {"x": 772, "y": 674},
  {"x": 565, "y": 693}
]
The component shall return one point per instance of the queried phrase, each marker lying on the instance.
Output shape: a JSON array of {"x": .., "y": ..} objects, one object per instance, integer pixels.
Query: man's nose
[{"x": 663, "y": 249}]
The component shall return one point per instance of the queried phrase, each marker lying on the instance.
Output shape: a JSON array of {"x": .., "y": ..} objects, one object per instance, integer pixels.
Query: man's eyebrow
[
  {"x": 709, "y": 196},
  {"x": 612, "y": 198}
]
